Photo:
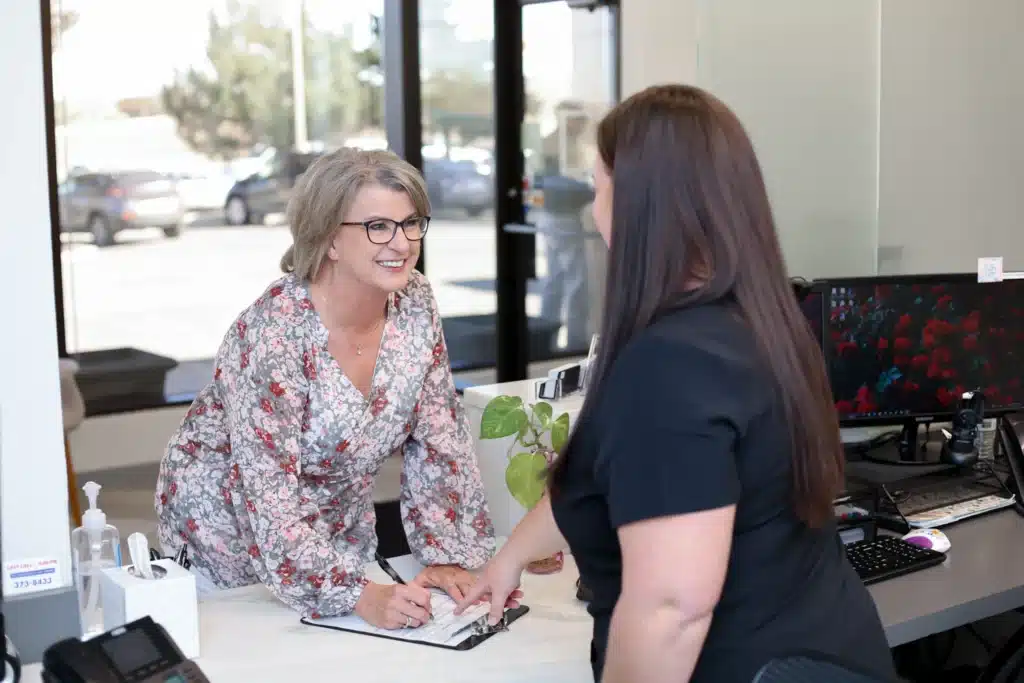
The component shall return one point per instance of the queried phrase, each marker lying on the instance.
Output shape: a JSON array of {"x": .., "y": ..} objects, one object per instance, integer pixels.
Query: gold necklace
[{"x": 358, "y": 346}]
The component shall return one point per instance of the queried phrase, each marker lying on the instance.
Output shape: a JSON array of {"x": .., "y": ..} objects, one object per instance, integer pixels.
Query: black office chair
[
  {"x": 391, "y": 539},
  {"x": 803, "y": 669},
  {"x": 1007, "y": 664}
]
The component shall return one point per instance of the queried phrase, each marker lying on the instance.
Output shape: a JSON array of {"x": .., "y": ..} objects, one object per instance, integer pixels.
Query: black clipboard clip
[
  {"x": 480, "y": 632},
  {"x": 480, "y": 627}
]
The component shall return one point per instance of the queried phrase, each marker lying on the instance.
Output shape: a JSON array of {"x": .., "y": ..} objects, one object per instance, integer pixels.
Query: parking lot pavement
[{"x": 176, "y": 297}]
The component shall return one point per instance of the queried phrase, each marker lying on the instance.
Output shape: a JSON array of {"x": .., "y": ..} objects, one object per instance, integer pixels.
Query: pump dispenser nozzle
[{"x": 93, "y": 519}]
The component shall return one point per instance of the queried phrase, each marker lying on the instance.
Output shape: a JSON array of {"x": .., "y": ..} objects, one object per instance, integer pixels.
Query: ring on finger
[{"x": 408, "y": 622}]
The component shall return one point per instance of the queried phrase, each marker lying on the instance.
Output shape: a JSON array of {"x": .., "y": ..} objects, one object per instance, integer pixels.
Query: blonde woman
[{"x": 336, "y": 366}]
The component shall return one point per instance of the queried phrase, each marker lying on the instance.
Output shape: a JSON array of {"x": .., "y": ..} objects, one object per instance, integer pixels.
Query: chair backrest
[
  {"x": 391, "y": 540},
  {"x": 1007, "y": 664},
  {"x": 72, "y": 403},
  {"x": 808, "y": 670}
]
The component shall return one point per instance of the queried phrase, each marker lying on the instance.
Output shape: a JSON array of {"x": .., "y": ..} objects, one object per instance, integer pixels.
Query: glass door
[
  {"x": 456, "y": 68},
  {"x": 557, "y": 66}
]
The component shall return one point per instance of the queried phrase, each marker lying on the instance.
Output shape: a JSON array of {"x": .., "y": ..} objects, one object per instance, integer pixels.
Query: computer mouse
[{"x": 928, "y": 538}]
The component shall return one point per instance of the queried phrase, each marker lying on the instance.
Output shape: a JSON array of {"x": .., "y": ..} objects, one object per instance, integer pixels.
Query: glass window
[
  {"x": 456, "y": 47},
  {"x": 180, "y": 130},
  {"x": 569, "y": 67}
]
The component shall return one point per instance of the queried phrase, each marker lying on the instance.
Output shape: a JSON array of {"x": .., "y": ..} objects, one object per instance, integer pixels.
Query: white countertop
[
  {"x": 246, "y": 635},
  {"x": 479, "y": 396}
]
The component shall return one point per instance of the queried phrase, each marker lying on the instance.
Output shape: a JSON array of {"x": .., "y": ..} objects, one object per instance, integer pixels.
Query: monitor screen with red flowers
[{"x": 908, "y": 347}]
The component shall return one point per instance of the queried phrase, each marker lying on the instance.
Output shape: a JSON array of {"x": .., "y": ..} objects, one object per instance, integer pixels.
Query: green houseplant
[{"x": 538, "y": 437}]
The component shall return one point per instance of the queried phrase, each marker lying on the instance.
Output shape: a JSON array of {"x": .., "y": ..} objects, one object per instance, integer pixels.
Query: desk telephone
[{"x": 139, "y": 652}]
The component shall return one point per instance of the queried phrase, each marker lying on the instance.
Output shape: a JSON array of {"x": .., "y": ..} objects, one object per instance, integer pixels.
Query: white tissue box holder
[{"x": 171, "y": 601}]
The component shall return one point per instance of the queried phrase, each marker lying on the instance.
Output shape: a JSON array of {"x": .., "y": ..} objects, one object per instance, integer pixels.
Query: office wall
[
  {"x": 803, "y": 78},
  {"x": 34, "y": 485},
  {"x": 659, "y": 43},
  {"x": 889, "y": 132},
  {"x": 952, "y": 150}
]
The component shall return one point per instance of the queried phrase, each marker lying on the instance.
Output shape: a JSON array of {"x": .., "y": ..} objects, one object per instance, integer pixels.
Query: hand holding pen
[{"x": 393, "y": 606}]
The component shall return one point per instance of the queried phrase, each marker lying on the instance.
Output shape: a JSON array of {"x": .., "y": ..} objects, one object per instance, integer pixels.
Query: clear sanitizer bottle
[{"x": 95, "y": 546}]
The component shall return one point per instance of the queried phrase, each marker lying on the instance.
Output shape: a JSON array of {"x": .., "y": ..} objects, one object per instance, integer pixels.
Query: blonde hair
[{"x": 324, "y": 193}]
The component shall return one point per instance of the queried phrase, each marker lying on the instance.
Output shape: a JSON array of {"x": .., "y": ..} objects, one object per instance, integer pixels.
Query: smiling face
[{"x": 385, "y": 267}]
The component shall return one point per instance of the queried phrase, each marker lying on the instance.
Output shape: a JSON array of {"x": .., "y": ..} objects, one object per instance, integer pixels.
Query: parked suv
[
  {"x": 458, "y": 185},
  {"x": 267, "y": 190},
  {"x": 105, "y": 203}
]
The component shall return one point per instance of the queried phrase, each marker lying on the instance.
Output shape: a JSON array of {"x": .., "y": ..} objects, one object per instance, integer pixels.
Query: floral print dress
[{"x": 270, "y": 476}]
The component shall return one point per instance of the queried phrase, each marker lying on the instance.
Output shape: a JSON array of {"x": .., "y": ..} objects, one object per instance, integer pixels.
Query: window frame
[{"x": 403, "y": 125}]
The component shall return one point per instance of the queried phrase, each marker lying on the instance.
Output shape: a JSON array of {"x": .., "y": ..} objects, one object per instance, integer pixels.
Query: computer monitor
[
  {"x": 904, "y": 349},
  {"x": 811, "y": 298}
]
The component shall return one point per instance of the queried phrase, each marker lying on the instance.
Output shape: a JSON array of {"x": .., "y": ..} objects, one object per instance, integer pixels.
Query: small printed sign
[
  {"x": 990, "y": 269},
  {"x": 30, "y": 576}
]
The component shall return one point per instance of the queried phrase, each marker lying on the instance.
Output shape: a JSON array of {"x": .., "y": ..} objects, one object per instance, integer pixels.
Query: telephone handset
[
  {"x": 1010, "y": 428},
  {"x": 139, "y": 652}
]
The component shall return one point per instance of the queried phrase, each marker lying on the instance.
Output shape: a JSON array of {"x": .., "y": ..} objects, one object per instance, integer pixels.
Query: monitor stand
[
  {"x": 911, "y": 448},
  {"x": 908, "y": 446}
]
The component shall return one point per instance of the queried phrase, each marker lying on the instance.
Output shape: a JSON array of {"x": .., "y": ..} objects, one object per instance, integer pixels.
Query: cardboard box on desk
[{"x": 170, "y": 600}]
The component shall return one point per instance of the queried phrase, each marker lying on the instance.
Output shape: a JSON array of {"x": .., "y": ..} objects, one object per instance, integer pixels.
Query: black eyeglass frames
[{"x": 383, "y": 230}]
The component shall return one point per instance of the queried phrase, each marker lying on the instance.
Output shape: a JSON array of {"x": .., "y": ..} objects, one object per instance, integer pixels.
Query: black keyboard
[{"x": 887, "y": 557}]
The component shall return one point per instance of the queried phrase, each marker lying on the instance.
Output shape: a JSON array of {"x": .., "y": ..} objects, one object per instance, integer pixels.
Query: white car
[{"x": 204, "y": 189}]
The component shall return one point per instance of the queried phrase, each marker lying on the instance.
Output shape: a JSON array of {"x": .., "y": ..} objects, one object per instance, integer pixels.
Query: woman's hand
[
  {"x": 394, "y": 605},
  {"x": 499, "y": 581}
]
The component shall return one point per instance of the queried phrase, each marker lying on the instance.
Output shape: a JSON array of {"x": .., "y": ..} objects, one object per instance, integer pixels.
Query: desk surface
[
  {"x": 247, "y": 635},
  {"x": 983, "y": 575}
]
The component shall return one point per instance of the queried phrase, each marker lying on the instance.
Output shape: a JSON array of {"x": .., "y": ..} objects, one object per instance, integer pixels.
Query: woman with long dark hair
[{"x": 696, "y": 491}]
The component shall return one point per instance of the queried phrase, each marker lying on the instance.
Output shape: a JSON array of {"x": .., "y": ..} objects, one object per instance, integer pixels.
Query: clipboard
[{"x": 478, "y": 631}]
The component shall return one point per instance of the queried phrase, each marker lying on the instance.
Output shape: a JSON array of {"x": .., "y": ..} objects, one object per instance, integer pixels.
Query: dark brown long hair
[{"x": 690, "y": 207}]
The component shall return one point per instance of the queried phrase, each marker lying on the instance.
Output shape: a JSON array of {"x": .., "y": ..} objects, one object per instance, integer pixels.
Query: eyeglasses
[{"x": 383, "y": 230}]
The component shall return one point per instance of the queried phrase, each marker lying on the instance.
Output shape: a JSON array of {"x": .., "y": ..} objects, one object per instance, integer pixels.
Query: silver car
[{"x": 105, "y": 203}]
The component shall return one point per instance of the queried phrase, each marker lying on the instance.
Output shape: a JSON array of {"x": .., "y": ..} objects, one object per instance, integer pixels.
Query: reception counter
[{"x": 246, "y": 635}]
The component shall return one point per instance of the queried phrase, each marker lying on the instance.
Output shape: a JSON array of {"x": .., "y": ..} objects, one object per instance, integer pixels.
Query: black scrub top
[{"x": 689, "y": 419}]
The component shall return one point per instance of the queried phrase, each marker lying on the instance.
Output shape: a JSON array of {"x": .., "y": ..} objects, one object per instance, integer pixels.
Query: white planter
[{"x": 492, "y": 454}]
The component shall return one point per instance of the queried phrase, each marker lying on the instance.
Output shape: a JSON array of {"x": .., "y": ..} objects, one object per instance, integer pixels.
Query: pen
[
  {"x": 386, "y": 566},
  {"x": 181, "y": 557}
]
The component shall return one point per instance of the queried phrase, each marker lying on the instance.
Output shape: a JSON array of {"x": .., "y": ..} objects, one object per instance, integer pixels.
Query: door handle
[
  {"x": 520, "y": 228},
  {"x": 530, "y": 229}
]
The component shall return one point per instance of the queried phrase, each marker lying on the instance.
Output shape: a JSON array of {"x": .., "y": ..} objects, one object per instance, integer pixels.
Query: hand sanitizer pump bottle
[{"x": 95, "y": 546}]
